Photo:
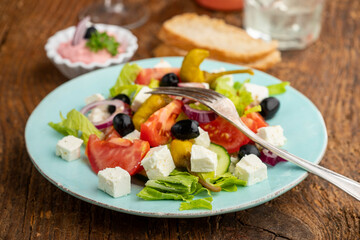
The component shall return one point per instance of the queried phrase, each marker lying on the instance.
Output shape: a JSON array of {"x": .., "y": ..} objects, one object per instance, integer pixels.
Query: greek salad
[{"x": 178, "y": 147}]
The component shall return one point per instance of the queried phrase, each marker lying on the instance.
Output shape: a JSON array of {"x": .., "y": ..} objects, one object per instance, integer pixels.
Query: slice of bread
[
  {"x": 224, "y": 41},
  {"x": 263, "y": 63}
]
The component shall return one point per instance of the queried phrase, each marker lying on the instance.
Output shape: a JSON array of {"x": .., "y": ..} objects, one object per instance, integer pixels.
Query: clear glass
[
  {"x": 293, "y": 23},
  {"x": 126, "y": 13}
]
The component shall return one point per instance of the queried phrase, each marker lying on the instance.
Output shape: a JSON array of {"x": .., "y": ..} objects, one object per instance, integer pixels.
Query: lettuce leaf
[
  {"x": 125, "y": 82},
  {"x": 256, "y": 108},
  {"x": 227, "y": 182},
  {"x": 235, "y": 92},
  {"x": 278, "y": 88},
  {"x": 75, "y": 124},
  {"x": 177, "y": 186},
  {"x": 149, "y": 193},
  {"x": 196, "y": 204}
]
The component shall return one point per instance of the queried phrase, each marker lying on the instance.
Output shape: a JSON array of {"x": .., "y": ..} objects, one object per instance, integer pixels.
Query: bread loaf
[
  {"x": 263, "y": 63},
  {"x": 224, "y": 41}
]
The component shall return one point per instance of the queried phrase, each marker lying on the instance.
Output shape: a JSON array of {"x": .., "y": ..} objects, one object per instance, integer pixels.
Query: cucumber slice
[
  {"x": 223, "y": 158},
  {"x": 223, "y": 161}
]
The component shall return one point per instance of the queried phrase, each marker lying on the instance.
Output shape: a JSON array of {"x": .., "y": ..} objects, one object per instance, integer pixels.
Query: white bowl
[{"x": 74, "y": 69}]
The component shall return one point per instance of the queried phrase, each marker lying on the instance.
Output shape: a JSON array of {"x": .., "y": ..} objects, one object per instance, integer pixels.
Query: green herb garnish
[{"x": 99, "y": 41}]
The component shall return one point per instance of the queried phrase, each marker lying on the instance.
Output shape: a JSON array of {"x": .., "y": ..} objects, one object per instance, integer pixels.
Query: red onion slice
[
  {"x": 121, "y": 107},
  {"x": 201, "y": 116},
  {"x": 270, "y": 158},
  {"x": 80, "y": 31}
]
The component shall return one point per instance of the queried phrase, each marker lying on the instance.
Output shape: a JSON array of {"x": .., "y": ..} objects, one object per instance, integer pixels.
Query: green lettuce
[
  {"x": 197, "y": 203},
  {"x": 177, "y": 186},
  {"x": 149, "y": 193},
  {"x": 256, "y": 108},
  {"x": 235, "y": 92},
  {"x": 125, "y": 82},
  {"x": 227, "y": 182},
  {"x": 75, "y": 124},
  {"x": 278, "y": 88}
]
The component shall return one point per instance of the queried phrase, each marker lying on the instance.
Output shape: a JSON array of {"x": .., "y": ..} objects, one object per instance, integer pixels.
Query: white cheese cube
[
  {"x": 258, "y": 93},
  {"x": 98, "y": 114},
  {"x": 158, "y": 162},
  {"x": 203, "y": 139},
  {"x": 273, "y": 135},
  {"x": 69, "y": 148},
  {"x": 114, "y": 181},
  {"x": 94, "y": 98},
  {"x": 140, "y": 98},
  {"x": 203, "y": 159},
  {"x": 162, "y": 64},
  {"x": 251, "y": 169},
  {"x": 133, "y": 135}
]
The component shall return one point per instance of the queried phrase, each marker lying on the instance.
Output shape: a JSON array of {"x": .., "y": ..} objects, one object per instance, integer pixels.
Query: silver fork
[{"x": 226, "y": 109}]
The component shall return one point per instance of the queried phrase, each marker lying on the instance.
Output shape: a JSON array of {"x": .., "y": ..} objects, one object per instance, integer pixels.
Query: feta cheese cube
[
  {"x": 133, "y": 135},
  {"x": 273, "y": 135},
  {"x": 114, "y": 181},
  {"x": 98, "y": 114},
  {"x": 158, "y": 162},
  {"x": 94, "y": 98},
  {"x": 162, "y": 64},
  {"x": 251, "y": 169},
  {"x": 203, "y": 159},
  {"x": 69, "y": 148},
  {"x": 203, "y": 139},
  {"x": 140, "y": 98},
  {"x": 258, "y": 93}
]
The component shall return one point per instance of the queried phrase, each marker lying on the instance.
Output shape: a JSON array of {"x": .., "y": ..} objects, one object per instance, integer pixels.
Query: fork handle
[{"x": 346, "y": 184}]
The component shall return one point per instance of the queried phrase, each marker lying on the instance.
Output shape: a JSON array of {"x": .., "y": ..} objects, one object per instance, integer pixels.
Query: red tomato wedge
[
  {"x": 258, "y": 119},
  {"x": 110, "y": 132},
  {"x": 146, "y": 74},
  {"x": 227, "y": 135},
  {"x": 116, "y": 152},
  {"x": 156, "y": 130}
]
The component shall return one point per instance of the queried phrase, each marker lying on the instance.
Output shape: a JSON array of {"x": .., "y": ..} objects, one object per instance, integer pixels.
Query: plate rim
[{"x": 185, "y": 214}]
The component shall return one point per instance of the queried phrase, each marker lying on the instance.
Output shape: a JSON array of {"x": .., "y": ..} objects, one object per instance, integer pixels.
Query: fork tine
[
  {"x": 193, "y": 96},
  {"x": 207, "y": 94}
]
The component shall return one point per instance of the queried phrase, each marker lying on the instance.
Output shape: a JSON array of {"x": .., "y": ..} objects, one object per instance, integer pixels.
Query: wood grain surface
[{"x": 327, "y": 72}]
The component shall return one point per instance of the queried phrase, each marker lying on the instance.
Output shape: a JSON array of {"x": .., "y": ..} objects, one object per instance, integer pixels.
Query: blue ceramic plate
[{"x": 302, "y": 122}]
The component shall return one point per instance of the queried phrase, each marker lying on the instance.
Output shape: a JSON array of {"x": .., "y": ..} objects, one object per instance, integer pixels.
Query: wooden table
[{"x": 327, "y": 72}]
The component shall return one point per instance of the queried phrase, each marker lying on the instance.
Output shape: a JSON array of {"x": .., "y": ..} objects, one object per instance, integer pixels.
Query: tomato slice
[
  {"x": 227, "y": 135},
  {"x": 116, "y": 152},
  {"x": 146, "y": 74},
  {"x": 156, "y": 130},
  {"x": 110, "y": 132},
  {"x": 258, "y": 119}
]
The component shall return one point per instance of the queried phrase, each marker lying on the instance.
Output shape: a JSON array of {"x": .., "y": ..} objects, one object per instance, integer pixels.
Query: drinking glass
[
  {"x": 293, "y": 23},
  {"x": 126, "y": 13}
]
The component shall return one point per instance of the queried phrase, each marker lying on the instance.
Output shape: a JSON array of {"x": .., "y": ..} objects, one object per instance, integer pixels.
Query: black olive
[
  {"x": 269, "y": 106},
  {"x": 185, "y": 129},
  {"x": 89, "y": 31},
  {"x": 248, "y": 149},
  {"x": 123, "y": 124},
  {"x": 122, "y": 97},
  {"x": 169, "y": 80}
]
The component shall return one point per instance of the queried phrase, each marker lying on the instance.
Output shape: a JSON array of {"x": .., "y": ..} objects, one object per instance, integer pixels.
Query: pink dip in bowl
[{"x": 81, "y": 53}]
